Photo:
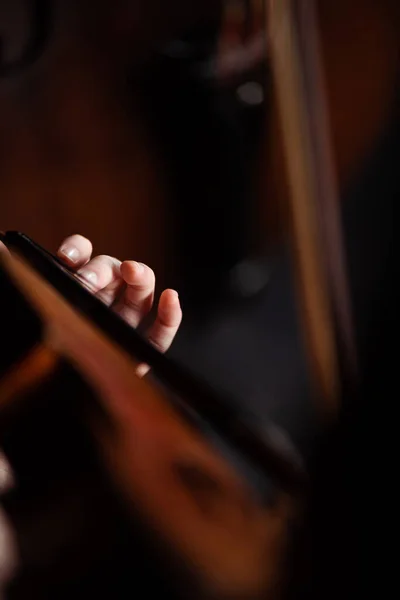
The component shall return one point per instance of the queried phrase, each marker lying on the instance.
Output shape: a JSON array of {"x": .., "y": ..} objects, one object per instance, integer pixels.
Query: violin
[
  {"x": 218, "y": 539},
  {"x": 70, "y": 372}
]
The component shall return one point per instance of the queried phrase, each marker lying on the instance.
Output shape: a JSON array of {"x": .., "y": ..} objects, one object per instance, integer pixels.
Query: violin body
[{"x": 112, "y": 467}]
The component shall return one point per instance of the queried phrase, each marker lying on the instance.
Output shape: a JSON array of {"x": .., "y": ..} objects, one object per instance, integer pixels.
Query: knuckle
[
  {"x": 158, "y": 345},
  {"x": 170, "y": 320},
  {"x": 131, "y": 303},
  {"x": 166, "y": 323},
  {"x": 150, "y": 277},
  {"x": 104, "y": 260}
]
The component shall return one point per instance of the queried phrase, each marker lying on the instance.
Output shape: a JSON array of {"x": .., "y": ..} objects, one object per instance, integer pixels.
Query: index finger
[{"x": 75, "y": 251}]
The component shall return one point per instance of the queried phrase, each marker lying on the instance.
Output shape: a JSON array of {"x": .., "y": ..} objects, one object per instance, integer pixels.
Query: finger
[
  {"x": 103, "y": 275},
  {"x": 166, "y": 325},
  {"x": 75, "y": 251},
  {"x": 168, "y": 320},
  {"x": 137, "y": 300}
]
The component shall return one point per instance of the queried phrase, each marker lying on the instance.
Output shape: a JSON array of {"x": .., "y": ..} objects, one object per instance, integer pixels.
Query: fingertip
[
  {"x": 142, "y": 370},
  {"x": 75, "y": 250},
  {"x": 169, "y": 308},
  {"x": 134, "y": 272},
  {"x": 170, "y": 297}
]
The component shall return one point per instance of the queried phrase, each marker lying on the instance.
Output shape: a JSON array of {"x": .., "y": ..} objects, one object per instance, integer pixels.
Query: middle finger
[
  {"x": 137, "y": 299},
  {"x": 103, "y": 274}
]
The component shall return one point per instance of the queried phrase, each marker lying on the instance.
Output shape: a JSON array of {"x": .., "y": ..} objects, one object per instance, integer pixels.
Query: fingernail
[
  {"x": 89, "y": 276},
  {"x": 175, "y": 293},
  {"x": 70, "y": 252}
]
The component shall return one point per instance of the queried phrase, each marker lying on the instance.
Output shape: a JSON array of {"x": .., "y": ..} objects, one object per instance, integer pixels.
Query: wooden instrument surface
[{"x": 224, "y": 533}]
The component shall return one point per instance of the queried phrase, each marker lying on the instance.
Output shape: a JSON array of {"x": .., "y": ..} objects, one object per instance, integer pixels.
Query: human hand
[{"x": 128, "y": 288}]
